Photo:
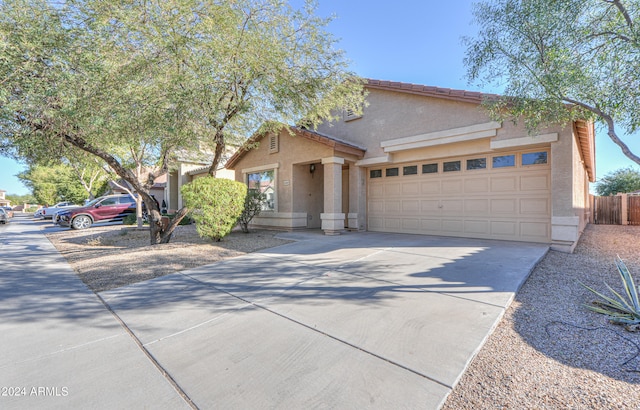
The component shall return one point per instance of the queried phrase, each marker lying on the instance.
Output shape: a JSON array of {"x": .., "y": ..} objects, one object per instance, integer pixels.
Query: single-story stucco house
[{"x": 425, "y": 160}]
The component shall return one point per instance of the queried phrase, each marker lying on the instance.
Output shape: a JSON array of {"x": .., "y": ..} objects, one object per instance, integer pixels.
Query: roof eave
[{"x": 585, "y": 133}]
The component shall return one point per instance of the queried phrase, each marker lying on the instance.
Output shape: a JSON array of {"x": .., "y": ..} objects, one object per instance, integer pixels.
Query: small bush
[
  {"x": 252, "y": 207},
  {"x": 130, "y": 219},
  {"x": 216, "y": 205},
  {"x": 184, "y": 221}
]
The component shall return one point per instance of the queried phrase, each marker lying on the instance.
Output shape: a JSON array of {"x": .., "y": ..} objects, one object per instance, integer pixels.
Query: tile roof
[{"x": 429, "y": 91}]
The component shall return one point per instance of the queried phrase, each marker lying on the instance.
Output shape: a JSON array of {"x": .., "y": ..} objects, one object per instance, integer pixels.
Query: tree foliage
[
  {"x": 216, "y": 205},
  {"x": 132, "y": 82},
  {"x": 620, "y": 181},
  {"x": 561, "y": 60},
  {"x": 21, "y": 199},
  {"x": 54, "y": 183}
]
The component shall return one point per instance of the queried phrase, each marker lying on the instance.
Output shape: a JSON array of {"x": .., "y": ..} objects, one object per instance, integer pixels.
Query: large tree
[
  {"x": 131, "y": 82},
  {"x": 560, "y": 60}
]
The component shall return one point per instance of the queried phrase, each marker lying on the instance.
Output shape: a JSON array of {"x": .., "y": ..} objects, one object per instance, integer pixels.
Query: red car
[{"x": 104, "y": 209}]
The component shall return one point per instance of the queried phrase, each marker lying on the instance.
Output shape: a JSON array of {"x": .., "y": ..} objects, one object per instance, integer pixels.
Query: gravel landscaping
[{"x": 549, "y": 352}]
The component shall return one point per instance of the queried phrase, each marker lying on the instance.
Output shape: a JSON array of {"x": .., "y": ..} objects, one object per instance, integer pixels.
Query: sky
[{"x": 412, "y": 41}]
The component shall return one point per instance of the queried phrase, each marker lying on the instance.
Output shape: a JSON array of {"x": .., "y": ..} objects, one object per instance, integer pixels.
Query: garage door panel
[
  {"x": 534, "y": 230},
  {"x": 476, "y": 185},
  {"x": 430, "y": 206},
  {"x": 452, "y": 186},
  {"x": 431, "y": 225},
  {"x": 534, "y": 182},
  {"x": 411, "y": 225},
  {"x": 411, "y": 188},
  {"x": 392, "y": 189},
  {"x": 430, "y": 188},
  {"x": 376, "y": 223},
  {"x": 392, "y": 206},
  {"x": 392, "y": 223},
  {"x": 476, "y": 207},
  {"x": 535, "y": 206},
  {"x": 504, "y": 206},
  {"x": 411, "y": 206},
  {"x": 504, "y": 228},
  {"x": 476, "y": 227},
  {"x": 452, "y": 206},
  {"x": 376, "y": 206},
  {"x": 376, "y": 191},
  {"x": 504, "y": 183},
  {"x": 452, "y": 226}
]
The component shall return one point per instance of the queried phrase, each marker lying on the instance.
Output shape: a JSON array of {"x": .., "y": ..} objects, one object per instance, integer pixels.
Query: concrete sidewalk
[
  {"x": 362, "y": 320},
  {"x": 61, "y": 347}
]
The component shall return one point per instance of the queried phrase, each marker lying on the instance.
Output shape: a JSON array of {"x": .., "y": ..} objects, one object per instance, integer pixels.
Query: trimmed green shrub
[{"x": 216, "y": 205}]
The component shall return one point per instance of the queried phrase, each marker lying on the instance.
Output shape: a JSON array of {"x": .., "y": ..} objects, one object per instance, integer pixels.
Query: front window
[{"x": 265, "y": 183}]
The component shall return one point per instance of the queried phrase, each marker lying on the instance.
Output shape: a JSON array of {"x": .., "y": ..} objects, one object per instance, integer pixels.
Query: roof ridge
[{"x": 429, "y": 91}]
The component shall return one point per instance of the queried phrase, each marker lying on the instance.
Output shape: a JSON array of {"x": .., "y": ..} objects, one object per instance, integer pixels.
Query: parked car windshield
[{"x": 93, "y": 202}]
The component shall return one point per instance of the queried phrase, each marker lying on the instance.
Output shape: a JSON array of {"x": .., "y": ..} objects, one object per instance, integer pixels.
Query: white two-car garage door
[{"x": 496, "y": 196}]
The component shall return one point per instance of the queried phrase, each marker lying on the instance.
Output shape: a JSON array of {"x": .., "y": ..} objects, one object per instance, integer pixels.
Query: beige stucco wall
[
  {"x": 570, "y": 194},
  {"x": 395, "y": 115},
  {"x": 571, "y": 205}
]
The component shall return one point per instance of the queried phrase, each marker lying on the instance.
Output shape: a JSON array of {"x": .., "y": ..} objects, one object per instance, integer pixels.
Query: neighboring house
[
  {"x": 158, "y": 189},
  {"x": 3, "y": 200},
  {"x": 426, "y": 160},
  {"x": 191, "y": 166}
]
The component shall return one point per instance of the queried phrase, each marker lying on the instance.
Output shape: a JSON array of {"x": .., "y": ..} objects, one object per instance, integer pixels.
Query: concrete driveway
[{"x": 362, "y": 320}]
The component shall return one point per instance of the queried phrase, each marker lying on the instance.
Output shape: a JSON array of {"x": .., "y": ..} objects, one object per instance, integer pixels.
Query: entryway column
[
  {"x": 357, "y": 195},
  {"x": 333, "y": 217}
]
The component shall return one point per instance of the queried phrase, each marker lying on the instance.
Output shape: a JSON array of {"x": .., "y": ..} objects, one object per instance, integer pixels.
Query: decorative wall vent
[{"x": 273, "y": 143}]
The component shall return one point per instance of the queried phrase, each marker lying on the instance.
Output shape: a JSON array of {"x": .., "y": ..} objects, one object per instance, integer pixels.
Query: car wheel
[{"x": 81, "y": 222}]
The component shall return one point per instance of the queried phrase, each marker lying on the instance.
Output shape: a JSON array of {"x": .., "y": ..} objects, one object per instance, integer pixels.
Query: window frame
[
  {"x": 513, "y": 165},
  {"x": 467, "y": 161},
  {"x": 266, "y": 168},
  {"x": 386, "y": 172},
  {"x": 409, "y": 167},
  {"x": 452, "y": 162}
]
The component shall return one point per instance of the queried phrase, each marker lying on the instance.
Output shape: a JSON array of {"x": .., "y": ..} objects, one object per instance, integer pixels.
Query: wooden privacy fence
[
  {"x": 634, "y": 209},
  {"x": 622, "y": 209}
]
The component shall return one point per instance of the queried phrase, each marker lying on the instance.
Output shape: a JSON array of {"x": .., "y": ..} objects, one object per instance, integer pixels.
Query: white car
[{"x": 47, "y": 213}]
